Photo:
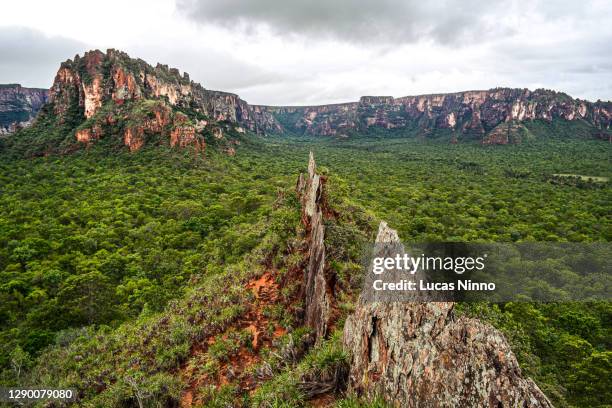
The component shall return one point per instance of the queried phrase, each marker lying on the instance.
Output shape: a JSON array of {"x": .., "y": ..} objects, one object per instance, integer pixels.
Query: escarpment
[
  {"x": 480, "y": 115},
  {"x": 112, "y": 96},
  {"x": 19, "y": 105},
  {"x": 86, "y": 83},
  {"x": 422, "y": 354}
]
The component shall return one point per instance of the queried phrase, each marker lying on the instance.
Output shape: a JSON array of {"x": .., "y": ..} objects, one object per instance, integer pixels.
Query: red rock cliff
[
  {"x": 19, "y": 105},
  {"x": 86, "y": 83},
  {"x": 475, "y": 113},
  {"x": 97, "y": 83}
]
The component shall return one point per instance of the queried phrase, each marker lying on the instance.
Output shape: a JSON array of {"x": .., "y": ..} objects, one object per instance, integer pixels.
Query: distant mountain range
[
  {"x": 110, "y": 94},
  {"x": 495, "y": 116},
  {"x": 19, "y": 105}
]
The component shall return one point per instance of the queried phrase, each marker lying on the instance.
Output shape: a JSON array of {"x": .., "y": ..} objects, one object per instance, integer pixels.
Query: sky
[{"x": 304, "y": 52}]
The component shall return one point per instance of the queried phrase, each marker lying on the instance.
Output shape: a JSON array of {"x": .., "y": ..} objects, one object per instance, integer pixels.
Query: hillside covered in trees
[
  {"x": 168, "y": 276},
  {"x": 162, "y": 244}
]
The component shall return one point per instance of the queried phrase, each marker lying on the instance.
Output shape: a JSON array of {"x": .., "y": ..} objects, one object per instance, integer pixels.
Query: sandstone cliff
[
  {"x": 19, "y": 105},
  {"x": 422, "y": 355},
  {"x": 87, "y": 82},
  {"x": 111, "y": 95},
  {"x": 475, "y": 114}
]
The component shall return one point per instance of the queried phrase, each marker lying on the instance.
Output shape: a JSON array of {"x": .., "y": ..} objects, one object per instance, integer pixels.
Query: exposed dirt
[
  {"x": 235, "y": 370},
  {"x": 323, "y": 401}
]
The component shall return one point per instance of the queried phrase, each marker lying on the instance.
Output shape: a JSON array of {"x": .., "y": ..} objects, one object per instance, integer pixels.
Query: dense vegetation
[{"x": 95, "y": 248}]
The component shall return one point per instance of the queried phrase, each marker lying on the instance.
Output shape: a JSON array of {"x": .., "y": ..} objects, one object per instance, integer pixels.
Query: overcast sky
[{"x": 324, "y": 51}]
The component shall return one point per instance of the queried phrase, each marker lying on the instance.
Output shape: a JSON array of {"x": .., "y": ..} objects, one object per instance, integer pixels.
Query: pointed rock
[
  {"x": 316, "y": 299},
  {"x": 423, "y": 355}
]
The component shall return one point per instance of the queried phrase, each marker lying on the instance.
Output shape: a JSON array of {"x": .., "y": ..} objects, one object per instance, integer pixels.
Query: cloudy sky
[{"x": 324, "y": 51}]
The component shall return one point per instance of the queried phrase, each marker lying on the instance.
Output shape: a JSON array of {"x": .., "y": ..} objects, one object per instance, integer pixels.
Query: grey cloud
[
  {"x": 404, "y": 47},
  {"x": 448, "y": 22},
  {"x": 586, "y": 54},
  {"x": 380, "y": 21},
  {"x": 31, "y": 58},
  {"x": 213, "y": 69}
]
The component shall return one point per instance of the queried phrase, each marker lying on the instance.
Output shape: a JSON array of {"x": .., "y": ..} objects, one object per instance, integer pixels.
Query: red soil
[{"x": 266, "y": 292}]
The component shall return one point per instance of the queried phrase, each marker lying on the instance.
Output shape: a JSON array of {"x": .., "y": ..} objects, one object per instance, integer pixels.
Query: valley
[
  {"x": 163, "y": 244},
  {"x": 171, "y": 241}
]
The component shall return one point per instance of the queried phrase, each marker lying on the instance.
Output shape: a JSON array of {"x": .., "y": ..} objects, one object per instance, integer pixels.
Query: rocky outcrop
[
  {"x": 19, "y": 105},
  {"x": 84, "y": 84},
  {"x": 316, "y": 297},
  {"x": 89, "y": 135},
  {"x": 112, "y": 95},
  {"x": 185, "y": 135},
  {"x": 505, "y": 133},
  {"x": 95, "y": 86},
  {"x": 147, "y": 119},
  {"x": 473, "y": 113},
  {"x": 324, "y": 120},
  {"x": 421, "y": 354},
  {"x": 134, "y": 138}
]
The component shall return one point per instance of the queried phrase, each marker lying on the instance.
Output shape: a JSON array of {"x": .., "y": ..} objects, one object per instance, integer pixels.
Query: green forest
[{"x": 107, "y": 258}]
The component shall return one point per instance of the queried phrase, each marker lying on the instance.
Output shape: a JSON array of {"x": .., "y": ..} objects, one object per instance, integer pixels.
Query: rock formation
[
  {"x": 505, "y": 133},
  {"x": 19, "y": 105},
  {"x": 86, "y": 83},
  {"x": 423, "y": 355},
  {"x": 471, "y": 114},
  {"x": 494, "y": 116},
  {"x": 316, "y": 297},
  {"x": 110, "y": 94}
]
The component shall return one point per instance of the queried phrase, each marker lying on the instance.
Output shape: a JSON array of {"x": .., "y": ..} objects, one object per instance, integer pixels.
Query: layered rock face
[
  {"x": 112, "y": 91},
  {"x": 19, "y": 105},
  {"x": 316, "y": 298},
  {"x": 97, "y": 77},
  {"x": 472, "y": 113},
  {"x": 422, "y": 355},
  {"x": 98, "y": 90}
]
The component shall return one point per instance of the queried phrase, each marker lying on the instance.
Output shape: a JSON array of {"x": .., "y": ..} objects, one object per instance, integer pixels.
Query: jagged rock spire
[
  {"x": 386, "y": 234},
  {"x": 316, "y": 299},
  {"x": 312, "y": 166},
  {"x": 423, "y": 355}
]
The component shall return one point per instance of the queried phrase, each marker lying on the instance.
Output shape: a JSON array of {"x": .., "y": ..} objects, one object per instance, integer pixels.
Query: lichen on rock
[
  {"x": 316, "y": 299},
  {"x": 421, "y": 354}
]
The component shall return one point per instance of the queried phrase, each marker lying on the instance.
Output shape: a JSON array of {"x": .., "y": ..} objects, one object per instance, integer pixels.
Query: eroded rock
[
  {"x": 19, "y": 106},
  {"x": 316, "y": 297},
  {"x": 134, "y": 138},
  {"x": 88, "y": 82},
  {"x": 184, "y": 136},
  {"x": 474, "y": 113},
  {"x": 505, "y": 133},
  {"x": 421, "y": 354},
  {"x": 89, "y": 135}
]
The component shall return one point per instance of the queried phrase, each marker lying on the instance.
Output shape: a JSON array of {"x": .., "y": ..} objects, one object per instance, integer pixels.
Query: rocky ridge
[
  {"x": 412, "y": 354},
  {"x": 317, "y": 307},
  {"x": 110, "y": 94},
  {"x": 494, "y": 116},
  {"x": 19, "y": 105}
]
